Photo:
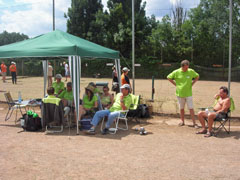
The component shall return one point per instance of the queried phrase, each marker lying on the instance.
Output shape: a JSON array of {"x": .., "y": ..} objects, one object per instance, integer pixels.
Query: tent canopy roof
[{"x": 56, "y": 43}]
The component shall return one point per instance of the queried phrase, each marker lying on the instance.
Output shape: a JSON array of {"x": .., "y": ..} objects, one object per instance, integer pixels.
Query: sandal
[
  {"x": 181, "y": 124},
  {"x": 202, "y": 132},
  {"x": 209, "y": 134}
]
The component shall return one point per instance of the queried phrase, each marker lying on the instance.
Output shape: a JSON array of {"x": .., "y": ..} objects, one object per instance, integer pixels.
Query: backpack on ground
[
  {"x": 143, "y": 111},
  {"x": 31, "y": 123}
]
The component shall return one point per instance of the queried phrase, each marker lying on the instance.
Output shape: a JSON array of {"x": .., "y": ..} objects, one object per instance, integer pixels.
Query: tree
[
  {"x": 211, "y": 31},
  {"x": 8, "y": 38},
  {"x": 82, "y": 19},
  {"x": 119, "y": 35}
]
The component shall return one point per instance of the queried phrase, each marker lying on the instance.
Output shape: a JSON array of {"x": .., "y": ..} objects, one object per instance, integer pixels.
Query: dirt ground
[{"x": 167, "y": 152}]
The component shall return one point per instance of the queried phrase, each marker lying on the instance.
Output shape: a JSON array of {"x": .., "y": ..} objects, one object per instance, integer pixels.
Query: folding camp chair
[
  {"x": 121, "y": 117},
  {"x": 223, "y": 121},
  {"x": 133, "y": 110},
  {"x": 52, "y": 115},
  {"x": 13, "y": 105}
]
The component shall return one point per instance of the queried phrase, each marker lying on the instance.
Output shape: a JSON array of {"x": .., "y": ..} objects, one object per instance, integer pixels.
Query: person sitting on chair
[
  {"x": 67, "y": 98},
  {"x": 122, "y": 101},
  {"x": 67, "y": 95},
  {"x": 58, "y": 85},
  {"x": 220, "y": 110},
  {"x": 90, "y": 103},
  {"x": 106, "y": 98}
]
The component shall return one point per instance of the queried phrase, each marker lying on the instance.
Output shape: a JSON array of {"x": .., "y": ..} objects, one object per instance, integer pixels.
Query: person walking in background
[
  {"x": 184, "y": 78},
  {"x": 13, "y": 70},
  {"x": 50, "y": 74},
  {"x": 67, "y": 72},
  {"x": 3, "y": 71}
]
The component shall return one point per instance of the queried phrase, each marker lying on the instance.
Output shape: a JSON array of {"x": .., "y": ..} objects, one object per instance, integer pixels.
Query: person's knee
[{"x": 200, "y": 113}]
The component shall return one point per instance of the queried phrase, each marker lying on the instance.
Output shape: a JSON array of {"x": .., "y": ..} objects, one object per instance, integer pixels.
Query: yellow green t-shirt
[
  {"x": 183, "y": 81},
  {"x": 89, "y": 104},
  {"x": 68, "y": 95},
  {"x": 57, "y": 87},
  {"x": 127, "y": 100}
]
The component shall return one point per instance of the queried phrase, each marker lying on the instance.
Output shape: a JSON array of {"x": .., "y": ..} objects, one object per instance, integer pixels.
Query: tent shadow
[{"x": 118, "y": 136}]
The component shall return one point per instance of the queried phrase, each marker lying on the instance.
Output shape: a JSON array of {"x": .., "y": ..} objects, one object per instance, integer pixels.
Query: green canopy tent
[{"x": 60, "y": 44}]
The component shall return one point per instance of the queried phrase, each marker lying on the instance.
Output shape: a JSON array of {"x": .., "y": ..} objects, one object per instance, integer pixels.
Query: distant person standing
[
  {"x": 184, "y": 78},
  {"x": 3, "y": 71},
  {"x": 50, "y": 74},
  {"x": 115, "y": 83},
  {"x": 124, "y": 77},
  {"x": 13, "y": 70},
  {"x": 67, "y": 72}
]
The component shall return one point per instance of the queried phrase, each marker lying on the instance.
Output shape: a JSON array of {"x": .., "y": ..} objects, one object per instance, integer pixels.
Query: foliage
[{"x": 8, "y": 38}]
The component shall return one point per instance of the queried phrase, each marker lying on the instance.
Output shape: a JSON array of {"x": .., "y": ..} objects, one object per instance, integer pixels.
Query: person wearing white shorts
[
  {"x": 184, "y": 78},
  {"x": 183, "y": 100}
]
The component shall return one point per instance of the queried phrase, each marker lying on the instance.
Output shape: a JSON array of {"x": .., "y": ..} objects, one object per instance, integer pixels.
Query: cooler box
[{"x": 85, "y": 123}]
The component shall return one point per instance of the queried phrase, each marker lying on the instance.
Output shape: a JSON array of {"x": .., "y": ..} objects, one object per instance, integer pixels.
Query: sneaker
[
  {"x": 105, "y": 131},
  {"x": 91, "y": 131}
]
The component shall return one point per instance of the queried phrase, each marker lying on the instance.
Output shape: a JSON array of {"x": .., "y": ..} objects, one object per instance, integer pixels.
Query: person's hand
[
  {"x": 216, "y": 96},
  {"x": 121, "y": 98}
]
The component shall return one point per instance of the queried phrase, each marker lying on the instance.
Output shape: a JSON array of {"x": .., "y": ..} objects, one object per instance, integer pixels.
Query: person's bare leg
[
  {"x": 201, "y": 116},
  {"x": 182, "y": 115},
  {"x": 211, "y": 118},
  {"x": 192, "y": 116}
]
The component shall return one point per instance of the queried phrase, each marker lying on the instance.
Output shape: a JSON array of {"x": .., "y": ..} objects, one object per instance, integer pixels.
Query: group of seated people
[{"x": 89, "y": 104}]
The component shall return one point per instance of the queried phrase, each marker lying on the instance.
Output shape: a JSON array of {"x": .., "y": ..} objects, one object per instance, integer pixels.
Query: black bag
[
  {"x": 31, "y": 123},
  {"x": 142, "y": 111}
]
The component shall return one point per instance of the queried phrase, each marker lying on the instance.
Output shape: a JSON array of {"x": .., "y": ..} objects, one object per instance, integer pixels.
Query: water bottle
[
  {"x": 206, "y": 110},
  {"x": 19, "y": 97}
]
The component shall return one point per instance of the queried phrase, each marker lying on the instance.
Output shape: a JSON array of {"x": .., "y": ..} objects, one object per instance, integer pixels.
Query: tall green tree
[
  {"x": 82, "y": 20},
  {"x": 211, "y": 31},
  {"x": 119, "y": 27}
]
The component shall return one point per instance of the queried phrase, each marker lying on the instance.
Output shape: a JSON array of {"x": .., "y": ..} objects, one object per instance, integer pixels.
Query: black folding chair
[{"x": 223, "y": 121}]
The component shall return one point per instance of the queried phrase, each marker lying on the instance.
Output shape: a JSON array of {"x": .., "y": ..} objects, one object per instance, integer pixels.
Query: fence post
[{"x": 153, "y": 90}]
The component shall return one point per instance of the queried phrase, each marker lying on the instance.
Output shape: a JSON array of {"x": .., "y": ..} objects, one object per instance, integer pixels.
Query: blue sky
[{"x": 34, "y": 17}]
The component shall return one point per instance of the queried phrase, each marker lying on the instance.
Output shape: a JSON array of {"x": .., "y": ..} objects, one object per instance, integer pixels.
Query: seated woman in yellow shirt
[{"x": 90, "y": 104}]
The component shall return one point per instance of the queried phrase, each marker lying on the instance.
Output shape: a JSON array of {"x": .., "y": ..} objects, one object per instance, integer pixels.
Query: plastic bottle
[
  {"x": 206, "y": 110},
  {"x": 19, "y": 97}
]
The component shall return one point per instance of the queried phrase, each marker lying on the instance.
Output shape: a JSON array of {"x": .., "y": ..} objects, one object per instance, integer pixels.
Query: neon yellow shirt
[
  {"x": 89, "y": 104},
  {"x": 68, "y": 95},
  {"x": 127, "y": 100},
  {"x": 58, "y": 86},
  {"x": 183, "y": 81}
]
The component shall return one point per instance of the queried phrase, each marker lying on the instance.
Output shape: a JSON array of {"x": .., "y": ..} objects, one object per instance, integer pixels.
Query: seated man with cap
[
  {"x": 58, "y": 85},
  {"x": 122, "y": 101}
]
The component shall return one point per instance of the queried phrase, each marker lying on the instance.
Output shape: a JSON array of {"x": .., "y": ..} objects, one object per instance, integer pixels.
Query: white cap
[
  {"x": 125, "y": 69},
  {"x": 13, "y": 62},
  {"x": 125, "y": 86}
]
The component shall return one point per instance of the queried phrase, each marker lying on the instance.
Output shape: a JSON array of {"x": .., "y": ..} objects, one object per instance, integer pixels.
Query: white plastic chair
[{"x": 122, "y": 116}]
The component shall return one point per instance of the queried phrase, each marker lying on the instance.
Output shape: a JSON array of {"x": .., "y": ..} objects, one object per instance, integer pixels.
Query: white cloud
[{"x": 35, "y": 20}]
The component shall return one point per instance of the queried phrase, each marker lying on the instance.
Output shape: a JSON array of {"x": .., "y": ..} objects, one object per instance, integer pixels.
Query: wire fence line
[{"x": 165, "y": 101}]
